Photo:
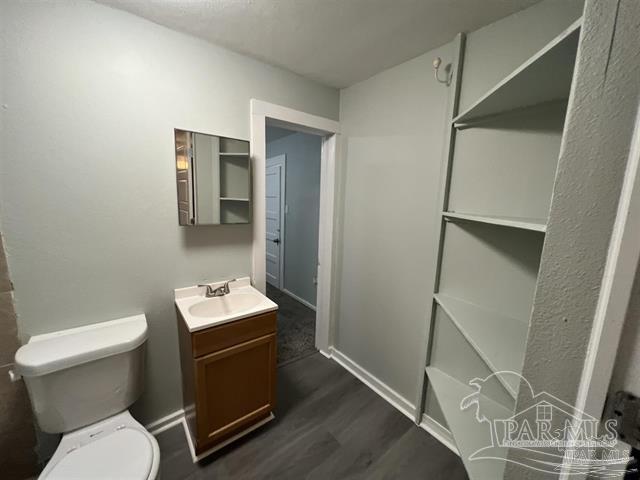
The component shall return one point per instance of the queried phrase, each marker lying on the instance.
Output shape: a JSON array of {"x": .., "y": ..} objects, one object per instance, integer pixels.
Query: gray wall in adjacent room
[
  {"x": 91, "y": 96},
  {"x": 303, "y": 200}
]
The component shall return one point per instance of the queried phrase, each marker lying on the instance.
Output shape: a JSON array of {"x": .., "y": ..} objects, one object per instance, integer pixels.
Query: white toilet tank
[{"x": 79, "y": 376}]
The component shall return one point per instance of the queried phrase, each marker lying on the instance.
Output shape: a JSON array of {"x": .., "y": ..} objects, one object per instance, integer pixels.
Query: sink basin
[
  {"x": 225, "y": 305},
  {"x": 199, "y": 312}
]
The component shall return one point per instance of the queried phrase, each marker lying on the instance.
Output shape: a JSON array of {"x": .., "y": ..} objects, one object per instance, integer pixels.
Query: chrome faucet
[{"x": 220, "y": 291}]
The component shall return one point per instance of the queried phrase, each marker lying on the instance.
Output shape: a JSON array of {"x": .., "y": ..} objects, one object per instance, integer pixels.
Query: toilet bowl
[{"x": 81, "y": 382}]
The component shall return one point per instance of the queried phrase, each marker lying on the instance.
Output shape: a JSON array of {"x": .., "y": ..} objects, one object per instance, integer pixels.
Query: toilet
[{"x": 81, "y": 382}]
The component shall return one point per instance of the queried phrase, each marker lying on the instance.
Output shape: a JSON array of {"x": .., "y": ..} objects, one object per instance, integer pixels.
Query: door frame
[
  {"x": 280, "y": 160},
  {"x": 263, "y": 113}
]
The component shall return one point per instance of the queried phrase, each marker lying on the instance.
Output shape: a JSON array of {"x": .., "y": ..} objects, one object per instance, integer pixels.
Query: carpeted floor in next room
[{"x": 296, "y": 327}]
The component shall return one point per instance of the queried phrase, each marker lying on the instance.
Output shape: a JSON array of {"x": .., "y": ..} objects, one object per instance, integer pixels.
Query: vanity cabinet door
[{"x": 235, "y": 387}]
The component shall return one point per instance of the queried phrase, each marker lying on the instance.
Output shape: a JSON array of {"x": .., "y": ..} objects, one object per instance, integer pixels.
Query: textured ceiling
[{"x": 335, "y": 42}]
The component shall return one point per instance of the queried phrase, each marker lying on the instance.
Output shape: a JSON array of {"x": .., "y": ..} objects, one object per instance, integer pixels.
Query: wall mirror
[{"x": 213, "y": 177}]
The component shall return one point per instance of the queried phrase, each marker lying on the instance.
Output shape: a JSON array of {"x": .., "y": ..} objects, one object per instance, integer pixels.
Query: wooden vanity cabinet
[{"x": 228, "y": 377}]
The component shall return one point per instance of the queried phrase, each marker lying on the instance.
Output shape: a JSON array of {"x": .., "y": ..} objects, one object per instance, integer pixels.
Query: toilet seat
[
  {"x": 115, "y": 448},
  {"x": 125, "y": 453}
]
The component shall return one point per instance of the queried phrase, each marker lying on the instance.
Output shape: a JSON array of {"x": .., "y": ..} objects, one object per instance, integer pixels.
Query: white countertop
[{"x": 185, "y": 298}]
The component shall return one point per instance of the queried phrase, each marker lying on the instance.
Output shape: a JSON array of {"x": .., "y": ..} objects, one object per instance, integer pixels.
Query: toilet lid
[{"x": 125, "y": 454}]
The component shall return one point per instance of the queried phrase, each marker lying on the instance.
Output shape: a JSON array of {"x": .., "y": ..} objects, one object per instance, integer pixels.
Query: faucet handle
[
  {"x": 226, "y": 285},
  {"x": 209, "y": 288}
]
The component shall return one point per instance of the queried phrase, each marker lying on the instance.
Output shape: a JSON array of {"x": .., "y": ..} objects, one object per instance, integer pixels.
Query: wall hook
[{"x": 437, "y": 62}]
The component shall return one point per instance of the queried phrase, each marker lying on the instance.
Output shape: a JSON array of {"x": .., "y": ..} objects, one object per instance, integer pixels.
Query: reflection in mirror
[{"x": 213, "y": 179}]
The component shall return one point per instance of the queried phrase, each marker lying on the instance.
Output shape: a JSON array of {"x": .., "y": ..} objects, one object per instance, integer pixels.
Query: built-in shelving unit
[
  {"x": 497, "y": 338},
  {"x": 497, "y": 186},
  {"x": 469, "y": 434},
  {"x": 534, "y": 224},
  {"x": 545, "y": 77},
  {"x": 234, "y": 181}
]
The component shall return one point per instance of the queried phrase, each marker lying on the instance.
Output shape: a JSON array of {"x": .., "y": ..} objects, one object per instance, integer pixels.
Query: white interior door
[{"x": 275, "y": 198}]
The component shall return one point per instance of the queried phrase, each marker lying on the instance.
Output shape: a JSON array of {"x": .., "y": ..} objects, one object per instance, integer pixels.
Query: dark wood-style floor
[{"x": 328, "y": 426}]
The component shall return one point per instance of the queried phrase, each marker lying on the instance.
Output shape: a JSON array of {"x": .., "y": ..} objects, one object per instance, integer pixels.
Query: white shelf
[
  {"x": 234, "y": 199},
  {"x": 499, "y": 340},
  {"x": 534, "y": 224},
  {"x": 232, "y": 154},
  {"x": 545, "y": 77},
  {"x": 469, "y": 434}
]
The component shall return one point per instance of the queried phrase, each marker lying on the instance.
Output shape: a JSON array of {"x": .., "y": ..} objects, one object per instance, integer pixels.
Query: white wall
[
  {"x": 303, "y": 153},
  {"x": 88, "y": 196},
  {"x": 393, "y": 131}
]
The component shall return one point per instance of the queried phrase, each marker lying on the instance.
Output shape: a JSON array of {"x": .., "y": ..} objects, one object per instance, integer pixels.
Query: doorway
[
  {"x": 263, "y": 114},
  {"x": 292, "y": 210}
]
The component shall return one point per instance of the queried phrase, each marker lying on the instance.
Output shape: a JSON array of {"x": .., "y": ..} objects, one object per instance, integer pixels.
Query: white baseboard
[
  {"x": 403, "y": 405},
  {"x": 301, "y": 300},
  {"x": 326, "y": 354},
  {"x": 165, "y": 423},
  {"x": 439, "y": 432},
  {"x": 378, "y": 386}
]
